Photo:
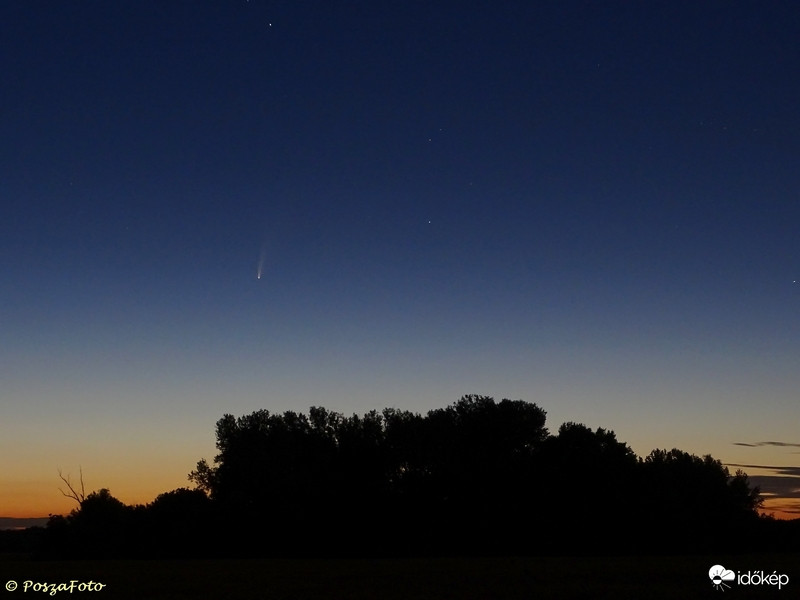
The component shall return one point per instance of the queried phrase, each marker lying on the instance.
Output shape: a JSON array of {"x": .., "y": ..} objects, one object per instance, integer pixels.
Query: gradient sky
[{"x": 588, "y": 205}]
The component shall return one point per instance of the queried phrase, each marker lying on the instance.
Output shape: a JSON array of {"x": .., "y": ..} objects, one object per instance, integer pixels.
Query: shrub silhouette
[{"x": 98, "y": 528}]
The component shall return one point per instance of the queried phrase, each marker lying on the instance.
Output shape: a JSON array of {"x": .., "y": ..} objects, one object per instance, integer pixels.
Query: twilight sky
[{"x": 588, "y": 205}]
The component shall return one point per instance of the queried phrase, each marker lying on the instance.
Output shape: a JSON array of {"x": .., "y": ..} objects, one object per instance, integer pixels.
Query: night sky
[{"x": 592, "y": 206}]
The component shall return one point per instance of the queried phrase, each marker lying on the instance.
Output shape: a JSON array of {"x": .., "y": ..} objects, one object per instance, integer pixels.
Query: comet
[{"x": 261, "y": 258}]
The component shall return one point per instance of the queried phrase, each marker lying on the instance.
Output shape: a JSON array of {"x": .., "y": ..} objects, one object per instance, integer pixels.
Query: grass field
[{"x": 618, "y": 578}]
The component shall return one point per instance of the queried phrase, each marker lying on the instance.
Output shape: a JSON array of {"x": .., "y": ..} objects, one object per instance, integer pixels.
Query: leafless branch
[{"x": 73, "y": 493}]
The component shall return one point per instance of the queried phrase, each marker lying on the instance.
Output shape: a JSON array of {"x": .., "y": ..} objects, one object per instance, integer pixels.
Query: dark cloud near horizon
[
  {"x": 777, "y": 486},
  {"x": 783, "y": 483}
]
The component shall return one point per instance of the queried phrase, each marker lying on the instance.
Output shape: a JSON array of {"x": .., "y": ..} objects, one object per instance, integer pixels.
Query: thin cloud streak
[
  {"x": 759, "y": 444},
  {"x": 783, "y": 470}
]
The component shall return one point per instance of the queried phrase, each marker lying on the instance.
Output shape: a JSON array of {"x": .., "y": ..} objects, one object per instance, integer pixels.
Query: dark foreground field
[{"x": 480, "y": 578}]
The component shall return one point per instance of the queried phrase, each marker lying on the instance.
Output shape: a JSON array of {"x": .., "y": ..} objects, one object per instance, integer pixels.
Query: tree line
[{"x": 477, "y": 477}]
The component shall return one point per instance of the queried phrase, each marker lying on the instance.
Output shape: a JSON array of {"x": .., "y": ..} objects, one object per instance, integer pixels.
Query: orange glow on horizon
[
  {"x": 32, "y": 501},
  {"x": 784, "y": 509}
]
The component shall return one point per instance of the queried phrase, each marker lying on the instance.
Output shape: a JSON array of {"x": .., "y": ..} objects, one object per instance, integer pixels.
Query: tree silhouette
[
  {"x": 447, "y": 471},
  {"x": 589, "y": 477},
  {"x": 180, "y": 521},
  {"x": 685, "y": 492},
  {"x": 475, "y": 477}
]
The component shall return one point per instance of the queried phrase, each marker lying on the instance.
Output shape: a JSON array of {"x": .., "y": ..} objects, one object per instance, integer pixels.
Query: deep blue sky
[{"x": 588, "y": 205}]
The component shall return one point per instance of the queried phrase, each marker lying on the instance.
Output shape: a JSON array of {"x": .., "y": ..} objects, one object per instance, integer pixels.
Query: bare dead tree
[{"x": 73, "y": 493}]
